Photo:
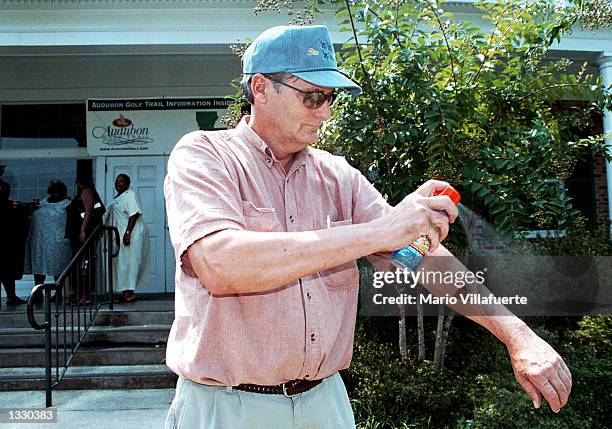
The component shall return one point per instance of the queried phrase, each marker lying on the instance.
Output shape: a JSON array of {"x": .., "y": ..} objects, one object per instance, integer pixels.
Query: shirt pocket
[
  {"x": 342, "y": 276},
  {"x": 262, "y": 219}
]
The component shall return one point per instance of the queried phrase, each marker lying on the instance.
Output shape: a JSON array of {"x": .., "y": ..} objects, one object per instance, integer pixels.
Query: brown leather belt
[{"x": 291, "y": 388}]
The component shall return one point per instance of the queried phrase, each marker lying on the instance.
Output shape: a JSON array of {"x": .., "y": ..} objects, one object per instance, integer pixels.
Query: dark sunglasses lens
[
  {"x": 315, "y": 100},
  {"x": 311, "y": 100}
]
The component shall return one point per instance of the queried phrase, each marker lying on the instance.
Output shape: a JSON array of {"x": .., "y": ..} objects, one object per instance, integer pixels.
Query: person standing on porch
[
  {"x": 84, "y": 213},
  {"x": 131, "y": 268},
  {"x": 13, "y": 234},
  {"x": 48, "y": 250},
  {"x": 266, "y": 232}
]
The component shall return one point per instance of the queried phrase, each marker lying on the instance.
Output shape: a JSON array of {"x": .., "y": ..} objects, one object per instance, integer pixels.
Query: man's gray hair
[{"x": 245, "y": 83}]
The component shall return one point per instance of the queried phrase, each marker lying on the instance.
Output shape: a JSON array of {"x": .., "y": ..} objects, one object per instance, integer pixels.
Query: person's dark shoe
[
  {"x": 85, "y": 299},
  {"x": 127, "y": 296},
  {"x": 130, "y": 298},
  {"x": 14, "y": 300}
]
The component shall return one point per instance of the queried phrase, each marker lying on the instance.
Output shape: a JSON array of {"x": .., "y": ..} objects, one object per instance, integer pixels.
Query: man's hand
[
  {"x": 539, "y": 369},
  {"x": 418, "y": 215}
]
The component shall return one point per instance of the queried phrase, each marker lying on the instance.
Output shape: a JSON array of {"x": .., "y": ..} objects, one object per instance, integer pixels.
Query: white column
[{"x": 605, "y": 70}]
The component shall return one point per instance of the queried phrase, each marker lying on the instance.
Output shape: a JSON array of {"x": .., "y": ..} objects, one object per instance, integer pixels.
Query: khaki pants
[{"x": 198, "y": 406}]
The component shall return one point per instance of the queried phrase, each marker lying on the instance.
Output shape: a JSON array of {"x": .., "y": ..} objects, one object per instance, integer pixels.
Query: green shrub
[
  {"x": 595, "y": 332},
  {"x": 387, "y": 393},
  {"x": 478, "y": 389}
]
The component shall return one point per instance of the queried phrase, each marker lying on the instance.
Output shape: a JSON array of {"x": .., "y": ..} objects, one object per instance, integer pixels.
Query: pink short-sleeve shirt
[{"x": 230, "y": 179}]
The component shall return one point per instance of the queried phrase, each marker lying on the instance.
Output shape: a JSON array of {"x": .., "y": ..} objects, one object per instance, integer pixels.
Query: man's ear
[{"x": 259, "y": 88}]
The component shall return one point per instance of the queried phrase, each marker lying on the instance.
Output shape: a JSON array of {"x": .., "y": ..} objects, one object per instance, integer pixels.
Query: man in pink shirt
[{"x": 266, "y": 232}]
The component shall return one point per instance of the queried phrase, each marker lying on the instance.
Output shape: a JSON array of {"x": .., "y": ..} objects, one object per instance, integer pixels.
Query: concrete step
[
  {"x": 128, "y": 318},
  {"x": 86, "y": 356},
  {"x": 97, "y": 335},
  {"x": 20, "y": 320},
  {"x": 17, "y": 319},
  {"x": 91, "y": 377},
  {"x": 103, "y": 318}
]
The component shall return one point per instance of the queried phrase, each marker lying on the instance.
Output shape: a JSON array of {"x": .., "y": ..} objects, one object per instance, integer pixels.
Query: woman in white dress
[{"x": 131, "y": 267}]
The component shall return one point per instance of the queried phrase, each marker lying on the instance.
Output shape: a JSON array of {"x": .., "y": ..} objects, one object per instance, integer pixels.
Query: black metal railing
[{"x": 81, "y": 289}]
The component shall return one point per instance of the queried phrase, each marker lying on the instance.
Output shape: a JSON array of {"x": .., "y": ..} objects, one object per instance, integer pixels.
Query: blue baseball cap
[{"x": 306, "y": 52}]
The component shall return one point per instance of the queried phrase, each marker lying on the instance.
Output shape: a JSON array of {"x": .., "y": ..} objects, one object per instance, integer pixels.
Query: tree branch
[
  {"x": 450, "y": 53},
  {"x": 503, "y": 12},
  {"x": 486, "y": 57},
  {"x": 559, "y": 85},
  {"x": 363, "y": 69},
  {"x": 395, "y": 32}
]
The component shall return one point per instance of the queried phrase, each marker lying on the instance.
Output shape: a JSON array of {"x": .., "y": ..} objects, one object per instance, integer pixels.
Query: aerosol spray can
[{"x": 410, "y": 257}]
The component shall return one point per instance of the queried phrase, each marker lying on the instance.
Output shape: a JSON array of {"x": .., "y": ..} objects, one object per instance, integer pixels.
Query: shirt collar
[{"x": 264, "y": 151}]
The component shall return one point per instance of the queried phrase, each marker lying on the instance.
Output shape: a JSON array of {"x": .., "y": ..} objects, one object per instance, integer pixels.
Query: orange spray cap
[{"x": 451, "y": 193}]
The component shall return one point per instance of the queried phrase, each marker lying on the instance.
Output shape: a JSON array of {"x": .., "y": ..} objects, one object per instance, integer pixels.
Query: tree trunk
[
  {"x": 402, "y": 334},
  {"x": 421, "y": 329},
  {"x": 444, "y": 324},
  {"x": 445, "y": 331},
  {"x": 403, "y": 341},
  {"x": 439, "y": 329}
]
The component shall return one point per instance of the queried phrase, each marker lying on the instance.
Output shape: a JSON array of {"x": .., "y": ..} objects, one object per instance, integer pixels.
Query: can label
[{"x": 421, "y": 245}]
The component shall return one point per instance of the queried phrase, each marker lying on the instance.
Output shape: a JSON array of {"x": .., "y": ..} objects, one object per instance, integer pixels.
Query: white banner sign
[{"x": 150, "y": 126}]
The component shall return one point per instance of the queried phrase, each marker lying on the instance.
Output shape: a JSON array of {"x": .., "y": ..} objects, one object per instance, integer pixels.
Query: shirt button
[
  {"x": 306, "y": 376},
  {"x": 308, "y": 295},
  {"x": 291, "y": 219},
  {"x": 312, "y": 337}
]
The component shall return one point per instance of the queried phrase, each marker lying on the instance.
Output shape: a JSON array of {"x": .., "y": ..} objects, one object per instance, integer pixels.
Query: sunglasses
[{"x": 312, "y": 99}]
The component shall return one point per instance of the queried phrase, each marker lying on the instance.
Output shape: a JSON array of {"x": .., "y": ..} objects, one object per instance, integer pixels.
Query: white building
[{"x": 57, "y": 55}]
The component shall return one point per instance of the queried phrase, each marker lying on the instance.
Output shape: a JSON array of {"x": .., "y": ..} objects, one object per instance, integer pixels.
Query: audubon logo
[{"x": 122, "y": 132}]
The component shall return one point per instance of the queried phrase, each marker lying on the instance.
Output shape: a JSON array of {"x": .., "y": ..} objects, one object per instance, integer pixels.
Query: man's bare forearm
[
  {"x": 237, "y": 261},
  {"x": 496, "y": 318}
]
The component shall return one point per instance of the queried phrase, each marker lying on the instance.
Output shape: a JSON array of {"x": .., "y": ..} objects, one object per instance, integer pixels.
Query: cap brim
[{"x": 329, "y": 79}]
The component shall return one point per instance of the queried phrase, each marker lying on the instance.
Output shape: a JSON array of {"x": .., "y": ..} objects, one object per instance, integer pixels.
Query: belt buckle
[{"x": 285, "y": 391}]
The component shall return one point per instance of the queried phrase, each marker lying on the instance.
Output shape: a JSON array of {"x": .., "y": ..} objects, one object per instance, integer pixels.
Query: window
[
  {"x": 28, "y": 127},
  {"x": 43, "y": 125},
  {"x": 29, "y": 179}
]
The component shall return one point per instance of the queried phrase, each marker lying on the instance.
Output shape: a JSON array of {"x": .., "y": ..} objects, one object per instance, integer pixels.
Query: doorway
[{"x": 147, "y": 175}]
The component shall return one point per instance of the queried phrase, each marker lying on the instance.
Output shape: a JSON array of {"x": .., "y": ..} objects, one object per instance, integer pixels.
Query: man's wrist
[{"x": 516, "y": 333}]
